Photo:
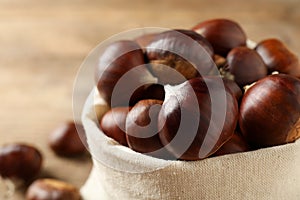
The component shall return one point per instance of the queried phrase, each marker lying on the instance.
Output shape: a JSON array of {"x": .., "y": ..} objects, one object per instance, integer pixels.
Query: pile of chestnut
[
  {"x": 261, "y": 87},
  {"x": 21, "y": 164}
]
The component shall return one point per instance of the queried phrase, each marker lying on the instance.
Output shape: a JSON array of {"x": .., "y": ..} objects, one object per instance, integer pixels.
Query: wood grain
[{"x": 42, "y": 44}]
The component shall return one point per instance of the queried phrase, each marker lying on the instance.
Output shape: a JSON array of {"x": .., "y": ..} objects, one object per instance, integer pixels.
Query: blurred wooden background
[{"x": 43, "y": 43}]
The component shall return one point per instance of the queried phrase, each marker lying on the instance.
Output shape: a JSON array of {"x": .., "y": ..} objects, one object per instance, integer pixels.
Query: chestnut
[
  {"x": 190, "y": 127},
  {"x": 154, "y": 91},
  {"x": 20, "y": 161},
  {"x": 65, "y": 139},
  {"x": 150, "y": 91},
  {"x": 278, "y": 57},
  {"x": 113, "y": 124},
  {"x": 270, "y": 111},
  {"x": 182, "y": 50},
  {"x": 223, "y": 34},
  {"x": 120, "y": 58},
  {"x": 51, "y": 189},
  {"x": 142, "y": 129},
  {"x": 245, "y": 65},
  {"x": 235, "y": 144}
]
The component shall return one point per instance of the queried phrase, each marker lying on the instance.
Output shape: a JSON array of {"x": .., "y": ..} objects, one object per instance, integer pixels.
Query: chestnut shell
[
  {"x": 183, "y": 50},
  {"x": 223, "y": 34},
  {"x": 270, "y": 111},
  {"x": 178, "y": 118},
  {"x": 113, "y": 124},
  {"x": 142, "y": 129},
  {"x": 51, "y": 189},
  {"x": 278, "y": 57},
  {"x": 117, "y": 59},
  {"x": 246, "y": 66},
  {"x": 20, "y": 161},
  {"x": 148, "y": 91},
  {"x": 65, "y": 140}
]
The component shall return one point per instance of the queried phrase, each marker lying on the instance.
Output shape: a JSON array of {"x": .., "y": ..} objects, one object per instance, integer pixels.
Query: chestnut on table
[
  {"x": 65, "y": 139},
  {"x": 20, "y": 161},
  {"x": 50, "y": 189}
]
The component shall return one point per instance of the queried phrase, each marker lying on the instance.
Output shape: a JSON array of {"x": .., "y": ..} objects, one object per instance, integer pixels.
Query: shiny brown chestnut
[
  {"x": 245, "y": 65},
  {"x": 65, "y": 139},
  {"x": 51, "y": 189},
  {"x": 236, "y": 144},
  {"x": 142, "y": 129},
  {"x": 154, "y": 91},
  {"x": 151, "y": 91},
  {"x": 191, "y": 130},
  {"x": 184, "y": 51},
  {"x": 120, "y": 58},
  {"x": 20, "y": 161},
  {"x": 223, "y": 34},
  {"x": 113, "y": 124},
  {"x": 270, "y": 111},
  {"x": 278, "y": 57}
]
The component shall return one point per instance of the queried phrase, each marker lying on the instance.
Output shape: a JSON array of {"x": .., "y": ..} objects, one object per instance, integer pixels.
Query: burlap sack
[{"x": 270, "y": 173}]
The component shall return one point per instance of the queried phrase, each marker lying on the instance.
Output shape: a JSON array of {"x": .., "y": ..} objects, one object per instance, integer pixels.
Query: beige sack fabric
[{"x": 119, "y": 173}]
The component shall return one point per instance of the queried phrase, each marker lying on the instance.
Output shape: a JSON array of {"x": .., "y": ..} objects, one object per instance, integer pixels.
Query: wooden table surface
[{"x": 43, "y": 43}]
